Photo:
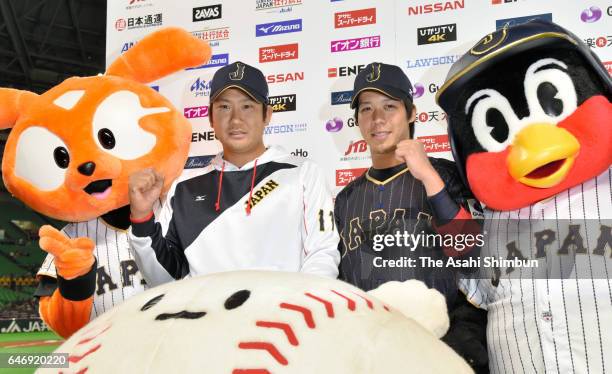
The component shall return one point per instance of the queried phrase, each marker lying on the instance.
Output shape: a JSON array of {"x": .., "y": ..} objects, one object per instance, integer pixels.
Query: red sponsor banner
[
  {"x": 608, "y": 65},
  {"x": 355, "y": 18},
  {"x": 278, "y": 53},
  {"x": 435, "y": 143},
  {"x": 346, "y": 176}
]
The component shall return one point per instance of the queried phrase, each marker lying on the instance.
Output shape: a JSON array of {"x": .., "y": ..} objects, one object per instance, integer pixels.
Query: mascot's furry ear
[
  {"x": 425, "y": 305},
  {"x": 160, "y": 54},
  {"x": 12, "y": 103}
]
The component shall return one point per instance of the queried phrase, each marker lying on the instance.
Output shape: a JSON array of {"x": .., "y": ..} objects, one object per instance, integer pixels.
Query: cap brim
[
  {"x": 252, "y": 95},
  {"x": 387, "y": 91}
]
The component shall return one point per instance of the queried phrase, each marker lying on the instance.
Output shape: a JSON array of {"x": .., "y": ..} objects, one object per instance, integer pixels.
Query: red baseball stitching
[
  {"x": 351, "y": 302},
  {"x": 307, "y": 313},
  {"x": 270, "y": 348},
  {"x": 328, "y": 305},
  {"x": 86, "y": 340},
  {"x": 368, "y": 301},
  {"x": 288, "y": 330},
  {"x": 75, "y": 359},
  {"x": 282, "y": 326}
]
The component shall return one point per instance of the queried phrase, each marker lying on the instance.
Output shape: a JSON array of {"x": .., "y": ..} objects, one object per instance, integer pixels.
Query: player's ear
[
  {"x": 268, "y": 116},
  {"x": 412, "y": 114}
]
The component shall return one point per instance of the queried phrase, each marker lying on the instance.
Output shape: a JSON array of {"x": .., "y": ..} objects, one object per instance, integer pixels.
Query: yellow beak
[{"x": 545, "y": 151}]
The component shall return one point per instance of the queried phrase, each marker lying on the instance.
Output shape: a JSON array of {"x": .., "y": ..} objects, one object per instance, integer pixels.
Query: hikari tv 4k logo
[
  {"x": 283, "y": 103},
  {"x": 437, "y": 34},
  {"x": 205, "y": 13}
]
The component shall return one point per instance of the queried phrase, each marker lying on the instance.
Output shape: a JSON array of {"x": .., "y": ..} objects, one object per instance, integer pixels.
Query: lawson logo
[{"x": 265, "y": 29}]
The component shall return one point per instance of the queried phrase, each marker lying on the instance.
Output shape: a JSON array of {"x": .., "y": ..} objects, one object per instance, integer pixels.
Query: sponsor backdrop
[{"x": 311, "y": 50}]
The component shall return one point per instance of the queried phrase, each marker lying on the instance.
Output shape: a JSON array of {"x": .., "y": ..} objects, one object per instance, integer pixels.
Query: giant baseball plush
[
  {"x": 256, "y": 322},
  {"x": 530, "y": 124},
  {"x": 69, "y": 155}
]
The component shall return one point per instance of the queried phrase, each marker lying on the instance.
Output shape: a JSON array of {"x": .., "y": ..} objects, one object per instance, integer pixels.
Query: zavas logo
[
  {"x": 436, "y": 7},
  {"x": 205, "y": 13},
  {"x": 265, "y": 29},
  {"x": 437, "y": 34},
  {"x": 283, "y": 103}
]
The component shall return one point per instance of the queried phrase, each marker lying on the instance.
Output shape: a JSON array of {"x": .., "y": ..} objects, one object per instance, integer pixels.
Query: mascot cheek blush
[{"x": 269, "y": 322}]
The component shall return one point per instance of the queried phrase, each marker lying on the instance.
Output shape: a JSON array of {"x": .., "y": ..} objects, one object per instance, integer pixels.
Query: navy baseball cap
[
  {"x": 386, "y": 79},
  {"x": 244, "y": 77}
]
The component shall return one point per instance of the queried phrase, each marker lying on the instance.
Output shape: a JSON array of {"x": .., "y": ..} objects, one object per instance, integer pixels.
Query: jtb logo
[
  {"x": 356, "y": 147},
  {"x": 205, "y": 13}
]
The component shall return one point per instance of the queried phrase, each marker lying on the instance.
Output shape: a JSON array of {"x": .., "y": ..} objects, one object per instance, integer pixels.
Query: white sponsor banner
[{"x": 313, "y": 48}]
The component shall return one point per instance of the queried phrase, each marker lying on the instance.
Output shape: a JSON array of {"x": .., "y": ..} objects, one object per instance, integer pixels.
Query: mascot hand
[{"x": 73, "y": 257}]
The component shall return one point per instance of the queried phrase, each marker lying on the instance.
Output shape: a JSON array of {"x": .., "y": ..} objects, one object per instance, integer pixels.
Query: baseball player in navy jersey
[
  {"x": 533, "y": 143},
  {"x": 403, "y": 192}
]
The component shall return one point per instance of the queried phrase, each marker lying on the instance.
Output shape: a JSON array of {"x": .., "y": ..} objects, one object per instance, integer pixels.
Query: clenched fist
[
  {"x": 73, "y": 257},
  {"x": 145, "y": 187},
  {"x": 413, "y": 154}
]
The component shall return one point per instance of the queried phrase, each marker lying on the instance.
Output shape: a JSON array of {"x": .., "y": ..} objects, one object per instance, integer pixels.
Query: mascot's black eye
[
  {"x": 61, "y": 156},
  {"x": 106, "y": 138},
  {"x": 237, "y": 299},
  {"x": 497, "y": 122},
  {"x": 546, "y": 96}
]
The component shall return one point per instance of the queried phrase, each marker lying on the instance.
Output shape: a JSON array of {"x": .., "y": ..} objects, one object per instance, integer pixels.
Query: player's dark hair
[
  {"x": 408, "y": 104},
  {"x": 210, "y": 112}
]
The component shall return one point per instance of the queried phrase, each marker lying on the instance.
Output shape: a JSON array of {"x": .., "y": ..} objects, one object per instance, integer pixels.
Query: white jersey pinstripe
[
  {"x": 114, "y": 259},
  {"x": 551, "y": 325}
]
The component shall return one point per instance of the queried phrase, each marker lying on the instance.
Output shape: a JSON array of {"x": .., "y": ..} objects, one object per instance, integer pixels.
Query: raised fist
[
  {"x": 145, "y": 187},
  {"x": 413, "y": 154}
]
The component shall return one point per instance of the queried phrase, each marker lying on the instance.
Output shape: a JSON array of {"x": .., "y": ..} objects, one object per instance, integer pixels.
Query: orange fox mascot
[{"x": 69, "y": 155}]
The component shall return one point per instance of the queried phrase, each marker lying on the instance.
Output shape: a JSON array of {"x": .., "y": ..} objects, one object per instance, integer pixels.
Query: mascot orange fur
[{"x": 69, "y": 156}]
